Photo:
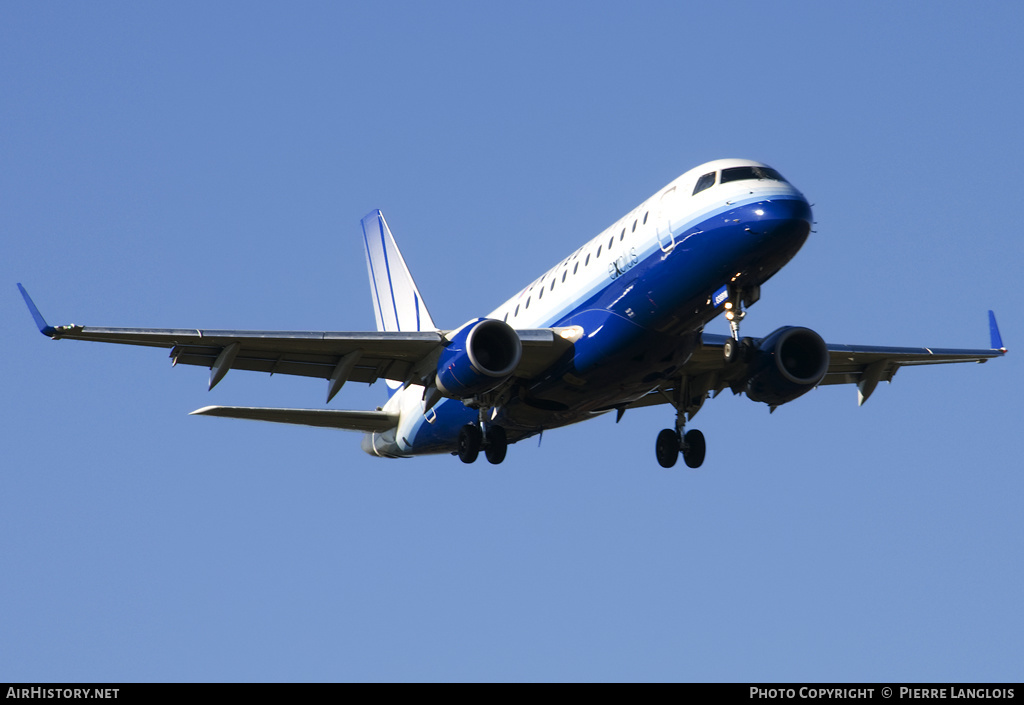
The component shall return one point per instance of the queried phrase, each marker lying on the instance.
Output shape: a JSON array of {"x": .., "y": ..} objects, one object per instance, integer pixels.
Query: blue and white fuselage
[
  {"x": 617, "y": 324},
  {"x": 633, "y": 300}
]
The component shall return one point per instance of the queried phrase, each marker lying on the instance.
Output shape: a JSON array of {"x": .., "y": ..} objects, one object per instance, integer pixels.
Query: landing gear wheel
[
  {"x": 469, "y": 443},
  {"x": 730, "y": 350},
  {"x": 496, "y": 445},
  {"x": 667, "y": 448},
  {"x": 694, "y": 448}
]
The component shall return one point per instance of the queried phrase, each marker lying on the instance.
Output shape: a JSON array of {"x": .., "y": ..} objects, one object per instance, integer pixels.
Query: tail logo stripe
[
  {"x": 374, "y": 293},
  {"x": 390, "y": 278},
  {"x": 387, "y": 265}
]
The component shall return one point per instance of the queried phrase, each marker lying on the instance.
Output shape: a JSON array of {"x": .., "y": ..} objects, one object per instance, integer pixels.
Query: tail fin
[{"x": 397, "y": 303}]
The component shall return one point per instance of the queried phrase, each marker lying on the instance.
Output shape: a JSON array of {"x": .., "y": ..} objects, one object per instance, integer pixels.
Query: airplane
[{"x": 615, "y": 325}]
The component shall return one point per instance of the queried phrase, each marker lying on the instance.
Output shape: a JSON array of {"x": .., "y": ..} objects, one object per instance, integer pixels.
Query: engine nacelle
[
  {"x": 787, "y": 364},
  {"x": 481, "y": 355}
]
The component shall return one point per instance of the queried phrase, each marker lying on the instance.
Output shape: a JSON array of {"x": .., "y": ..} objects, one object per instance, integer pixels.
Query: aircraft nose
[{"x": 782, "y": 225}]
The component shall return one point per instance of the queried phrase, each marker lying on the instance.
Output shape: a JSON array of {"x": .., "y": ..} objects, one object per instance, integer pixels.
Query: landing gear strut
[{"x": 734, "y": 313}]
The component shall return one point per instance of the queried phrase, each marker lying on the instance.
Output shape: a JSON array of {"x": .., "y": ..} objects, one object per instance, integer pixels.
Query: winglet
[
  {"x": 993, "y": 329},
  {"x": 44, "y": 327}
]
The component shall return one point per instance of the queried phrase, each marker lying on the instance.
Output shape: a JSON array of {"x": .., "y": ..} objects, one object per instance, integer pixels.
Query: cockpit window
[
  {"x": 704, "y": 182},
  {"x": 744, "y": 173}
]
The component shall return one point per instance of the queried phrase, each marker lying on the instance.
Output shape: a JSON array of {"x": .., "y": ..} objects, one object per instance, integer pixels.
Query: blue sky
[{"x": 191, "y": 165}]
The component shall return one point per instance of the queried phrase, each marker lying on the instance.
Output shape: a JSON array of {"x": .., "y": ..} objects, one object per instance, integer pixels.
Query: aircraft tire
[
  {"x": 496, "y": 446},
  {"x": 469, "y": 443},
  {"x": 730, "y": 351},
  {"x": 694, "y": 448},
  {"x": 667, "y": 448}
]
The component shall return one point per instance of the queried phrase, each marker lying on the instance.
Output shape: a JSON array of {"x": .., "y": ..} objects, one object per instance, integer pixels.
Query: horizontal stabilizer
[{"x": 378, "y": 421}]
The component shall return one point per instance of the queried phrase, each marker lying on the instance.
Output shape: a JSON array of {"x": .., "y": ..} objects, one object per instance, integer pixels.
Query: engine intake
[
  {"x": 481, "y": 355},
  {"x": 787, "y": 364}
]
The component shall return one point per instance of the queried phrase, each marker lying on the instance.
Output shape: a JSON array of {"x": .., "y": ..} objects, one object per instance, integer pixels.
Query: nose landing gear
[{"x": 734, "y": 313}]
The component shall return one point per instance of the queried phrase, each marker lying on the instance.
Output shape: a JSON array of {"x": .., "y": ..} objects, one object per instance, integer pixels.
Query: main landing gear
[
  {"x": 688, "y": 396},
  {"x": 471, "y": 439},
  {"x": 671, "y": 444}
]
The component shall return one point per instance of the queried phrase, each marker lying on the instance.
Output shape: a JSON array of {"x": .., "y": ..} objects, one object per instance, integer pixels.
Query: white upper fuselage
[{"x": 632, "y": 238}]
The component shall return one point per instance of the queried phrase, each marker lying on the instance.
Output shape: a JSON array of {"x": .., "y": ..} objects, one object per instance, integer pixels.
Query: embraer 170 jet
[{"x": 618, "y": 324}]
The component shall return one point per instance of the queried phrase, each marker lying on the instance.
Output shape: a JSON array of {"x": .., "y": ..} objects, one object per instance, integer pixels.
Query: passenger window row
[{"x": 565, "y": 265}]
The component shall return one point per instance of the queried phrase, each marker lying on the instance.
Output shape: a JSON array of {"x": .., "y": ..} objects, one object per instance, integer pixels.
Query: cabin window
[
  {"x": 527, "y": 302},
  {"x": 645, "y": 217},
  {"x": 598, "y": 255},
  {"x": 622, "y": 234},
  {"x": 516, "y": 314},
  {"x": 705, "y": 182},
  {"x": 586, "y": 261},
  {"x": 553, "y": 283},
  {"x": 577, "y": 266},
  {"x": 506, "y": 317},
  {"x": 610, "y": 241},
  {"x": 747, "y": 173},
  {"x": 563, "y": 275},
  {"x": 541, "y": 294},
  {"x": 634, "y": 227}
]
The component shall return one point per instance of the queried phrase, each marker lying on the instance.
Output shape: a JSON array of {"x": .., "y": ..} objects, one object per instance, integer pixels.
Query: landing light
[
  {"x": 759, "y": 212},
  {"x": 572, "y": 333}
]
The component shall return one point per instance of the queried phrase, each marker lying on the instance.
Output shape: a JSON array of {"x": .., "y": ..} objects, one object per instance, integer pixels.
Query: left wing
[
  {"x": 864, "y": 365},
  {"x": 402, "y": 356}
]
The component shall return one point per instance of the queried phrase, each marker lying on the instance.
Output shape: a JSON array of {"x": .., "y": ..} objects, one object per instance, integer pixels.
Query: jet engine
[
  {"x": 785, "y": 365},
  {"x": 481, "y": 355}
]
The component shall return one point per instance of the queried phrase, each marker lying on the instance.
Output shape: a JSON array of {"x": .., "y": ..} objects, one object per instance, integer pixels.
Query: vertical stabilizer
[{"x": 397, "y": 303}]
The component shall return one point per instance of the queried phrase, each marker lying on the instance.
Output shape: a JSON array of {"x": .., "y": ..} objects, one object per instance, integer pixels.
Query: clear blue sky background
[{"x": 206, "y": 165}]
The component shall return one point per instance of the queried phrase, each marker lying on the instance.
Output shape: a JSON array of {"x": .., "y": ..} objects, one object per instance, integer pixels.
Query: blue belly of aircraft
[{"x": 642, "y": 326}]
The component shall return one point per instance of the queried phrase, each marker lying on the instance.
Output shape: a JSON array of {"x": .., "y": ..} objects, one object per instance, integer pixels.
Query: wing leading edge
[{"x": 408, "y": 357}]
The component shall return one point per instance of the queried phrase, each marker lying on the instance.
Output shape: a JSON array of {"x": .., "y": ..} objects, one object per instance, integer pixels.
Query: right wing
[{"x": 706, "y": 373}]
